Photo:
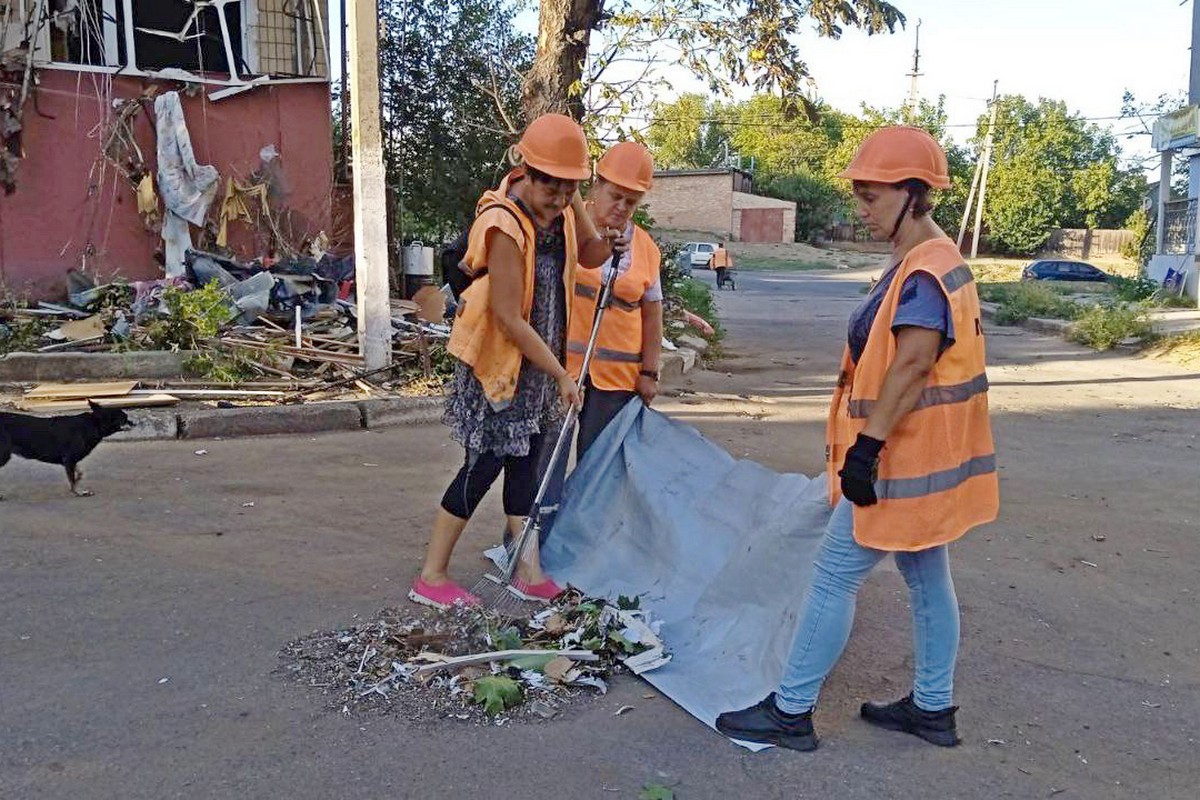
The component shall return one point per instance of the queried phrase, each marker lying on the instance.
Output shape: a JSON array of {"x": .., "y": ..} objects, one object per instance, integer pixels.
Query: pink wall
[{"x": 70, "y": 201}]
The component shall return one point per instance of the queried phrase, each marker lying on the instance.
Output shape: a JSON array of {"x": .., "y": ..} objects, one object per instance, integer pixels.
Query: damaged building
[{"x": 89, "y": 86}]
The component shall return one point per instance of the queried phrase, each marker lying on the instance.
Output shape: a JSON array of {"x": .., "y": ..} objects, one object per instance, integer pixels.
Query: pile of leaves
[{"x": 388, "y": 664}]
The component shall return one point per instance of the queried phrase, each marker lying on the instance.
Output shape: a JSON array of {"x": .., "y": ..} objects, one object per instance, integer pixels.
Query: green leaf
[
  {"x": 507, "y": 639},
  {"x": 592, "y": 644},
  {"x": 496, "y": 693},
  {"x": 629, "y": 603},
  {"x": 656, "y": 791}
]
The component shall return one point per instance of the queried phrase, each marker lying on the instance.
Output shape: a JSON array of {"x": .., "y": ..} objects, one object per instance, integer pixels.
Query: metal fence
[{"x": 1179, "y": 226}]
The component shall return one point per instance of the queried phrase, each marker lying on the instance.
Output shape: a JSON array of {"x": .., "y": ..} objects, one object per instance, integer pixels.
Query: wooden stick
[{"x": 504, "y": 655}]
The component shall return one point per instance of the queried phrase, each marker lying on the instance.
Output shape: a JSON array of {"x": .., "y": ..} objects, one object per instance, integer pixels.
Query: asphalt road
[{"x": 139, "y": 628}]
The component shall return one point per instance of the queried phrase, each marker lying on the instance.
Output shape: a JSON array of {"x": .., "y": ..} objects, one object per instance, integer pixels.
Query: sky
[{"x": 1084, "y": 52}]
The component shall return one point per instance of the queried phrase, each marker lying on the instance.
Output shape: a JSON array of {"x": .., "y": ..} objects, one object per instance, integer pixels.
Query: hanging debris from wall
[{"x": 16, "y": 71}]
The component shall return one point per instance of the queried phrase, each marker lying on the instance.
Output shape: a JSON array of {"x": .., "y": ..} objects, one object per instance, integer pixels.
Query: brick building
[
  {"x": 253, "y": 77},
  {"x": 720, "y": 202}
]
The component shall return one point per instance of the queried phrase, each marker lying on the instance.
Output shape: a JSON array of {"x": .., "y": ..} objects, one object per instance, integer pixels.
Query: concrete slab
[
  {"x": 61, "y": 367},
  {"x": 210, "y": 423}
]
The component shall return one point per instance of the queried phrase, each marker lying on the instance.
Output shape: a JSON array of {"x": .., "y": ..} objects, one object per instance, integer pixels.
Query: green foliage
[
  {"x": 497, "y": 692},
  {"x": 818, "y": 201},
  {"x": 1020, "y": 301},
  {"x": 1132, "y": 290},
  {"x": 1141, "y": 247},
  {"x": 749, "y": 44},
  {"x": 655, "y": 791},
  {"x": 697, "y": 297},
  {"x": 444, "y": 138},
  {"x": 20, "y": 335},
  {"x": 1104, "y": 327},
  {"x": 1052, "y": 169},
  {"x": 192, "y": 317},
  {"x": 795, "y": 157},
  {"x": 219, "y": 367}
]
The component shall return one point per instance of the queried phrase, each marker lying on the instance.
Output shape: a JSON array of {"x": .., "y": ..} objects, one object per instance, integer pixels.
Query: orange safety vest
[
  {"x": 720, "y": 258},
  {"x": 937, "y": 473},
  {"x": 476, "y": 338},
  {"x": 618, "y": 357}
]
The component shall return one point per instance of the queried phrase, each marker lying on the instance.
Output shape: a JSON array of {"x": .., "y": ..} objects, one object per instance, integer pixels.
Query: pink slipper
[
  {"x": 542, "y": 592},
  {"x": 441, "y": 597}
]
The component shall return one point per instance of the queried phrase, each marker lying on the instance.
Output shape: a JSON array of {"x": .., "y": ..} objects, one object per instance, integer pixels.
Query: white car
[{"x": 700, "y": 253}]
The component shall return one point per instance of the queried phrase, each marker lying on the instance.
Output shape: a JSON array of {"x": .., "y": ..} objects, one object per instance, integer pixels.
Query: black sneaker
[
  {"x": 765, "y": 723},
  {"x": 936, "y": 727}
]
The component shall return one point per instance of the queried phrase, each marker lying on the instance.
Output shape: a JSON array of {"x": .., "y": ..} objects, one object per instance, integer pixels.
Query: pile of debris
[
  {"x": 473, "y": 665},
  {"x": 290, "y": 319}
]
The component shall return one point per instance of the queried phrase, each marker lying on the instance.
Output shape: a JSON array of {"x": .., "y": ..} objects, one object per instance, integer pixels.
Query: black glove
[{"x": 861, "y": 469}]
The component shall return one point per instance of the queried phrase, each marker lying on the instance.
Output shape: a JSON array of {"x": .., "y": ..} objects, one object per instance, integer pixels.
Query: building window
[
  {"x": 87, "y": 32},
  {"x": 177, "y": 33}
]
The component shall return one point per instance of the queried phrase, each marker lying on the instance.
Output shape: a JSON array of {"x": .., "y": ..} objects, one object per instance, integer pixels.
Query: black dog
[{"x": 60, "y": 440}]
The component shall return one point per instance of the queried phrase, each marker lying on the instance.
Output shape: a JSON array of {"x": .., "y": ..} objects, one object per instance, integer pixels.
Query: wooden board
[
  {"x": 151, "y": 401},
  {"x": 80, "y": 391}
]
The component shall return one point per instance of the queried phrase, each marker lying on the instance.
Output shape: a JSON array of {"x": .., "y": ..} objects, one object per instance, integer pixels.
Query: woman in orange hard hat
[
  {"x": 511, "y": 386},
  {"x": 625, "y": 363},
  {"x": 911, "y": 463}
]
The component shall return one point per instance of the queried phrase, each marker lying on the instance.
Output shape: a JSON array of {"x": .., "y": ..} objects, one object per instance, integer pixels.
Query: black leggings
[{"x": 480, "y": 470}]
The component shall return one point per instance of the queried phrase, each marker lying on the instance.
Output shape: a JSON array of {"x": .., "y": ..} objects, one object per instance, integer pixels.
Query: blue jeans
[{"x": 841, "y": 569}]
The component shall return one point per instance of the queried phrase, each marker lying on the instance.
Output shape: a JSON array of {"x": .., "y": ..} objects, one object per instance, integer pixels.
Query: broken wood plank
[
  {"x": 504, "y": 655},
  {"x": 146, "y": 401},
  {"x": 76, "y": 391}
]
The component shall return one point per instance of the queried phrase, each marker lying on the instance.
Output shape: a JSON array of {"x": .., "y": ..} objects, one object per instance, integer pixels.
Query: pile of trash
[
  {"x": 290, "y": 318},
  {"x": 473, "y": 665}
]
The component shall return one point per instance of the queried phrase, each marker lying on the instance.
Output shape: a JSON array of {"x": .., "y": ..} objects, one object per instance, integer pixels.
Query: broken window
[
  {"x": 87, "y": 32},
  {"x": 188, "y": 35}
]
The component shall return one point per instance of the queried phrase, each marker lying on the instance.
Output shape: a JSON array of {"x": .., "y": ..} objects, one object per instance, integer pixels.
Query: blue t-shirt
[{"x": 922, "y": 305}]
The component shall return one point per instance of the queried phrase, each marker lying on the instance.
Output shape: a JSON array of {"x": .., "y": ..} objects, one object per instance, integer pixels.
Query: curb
[
  {"x": 1054, "y": 327},
  {"x": 158, "y": 424}
]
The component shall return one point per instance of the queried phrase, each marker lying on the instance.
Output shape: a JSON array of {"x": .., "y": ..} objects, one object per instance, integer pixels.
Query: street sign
[{"x": 1178, "y": 129}]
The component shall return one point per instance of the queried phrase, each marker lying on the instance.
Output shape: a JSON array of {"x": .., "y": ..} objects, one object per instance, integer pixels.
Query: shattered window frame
[{"x": 256, "y": 31}]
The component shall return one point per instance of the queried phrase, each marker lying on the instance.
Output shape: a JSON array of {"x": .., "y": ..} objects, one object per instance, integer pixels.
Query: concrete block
[
  {"x": 388, "y": 412},
  {"x": 150, "y": 424},
  {"x": 210, "y": 423},
  {"x": 695, "y": 343},
  {"x": 62, "y": 367},
  {"x": 672, "y": 365}
]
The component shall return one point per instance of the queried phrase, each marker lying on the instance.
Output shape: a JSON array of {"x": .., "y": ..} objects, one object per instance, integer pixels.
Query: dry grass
[{"x": 1179, "y": 348}]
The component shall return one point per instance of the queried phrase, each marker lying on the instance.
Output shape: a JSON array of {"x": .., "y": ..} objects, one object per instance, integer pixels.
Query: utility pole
[
  {"x": 344, "y": 147},
  {"x": 962, "y": 226},
  {"x": 987, "y": 163},
  {"x": 370, "y": 194},
  {"x": 913, "y": 96}
]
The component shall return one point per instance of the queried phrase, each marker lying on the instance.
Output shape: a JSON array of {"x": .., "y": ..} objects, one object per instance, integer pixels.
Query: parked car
[
  {"x": 700, "y": 253},
  {"x": 1050, "y": 270}
]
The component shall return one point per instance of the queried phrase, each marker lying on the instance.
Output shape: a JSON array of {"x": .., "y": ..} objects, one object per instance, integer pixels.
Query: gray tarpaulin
[{"x": 720, "y": 549}]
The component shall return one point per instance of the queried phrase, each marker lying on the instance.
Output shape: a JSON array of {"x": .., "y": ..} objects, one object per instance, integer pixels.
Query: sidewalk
[{"x": 193, "y": 420}]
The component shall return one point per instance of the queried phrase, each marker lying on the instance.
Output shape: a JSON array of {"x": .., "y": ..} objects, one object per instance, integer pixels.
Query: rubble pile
[
  {"x": 290, "y": 319},
  {"x": 473, "y": 665}
]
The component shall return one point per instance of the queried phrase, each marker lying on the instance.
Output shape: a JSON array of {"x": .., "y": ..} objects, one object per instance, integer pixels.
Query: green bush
[
  {"x": 697, "y": 297},
  {"x": 1020, "y": 301},
  {"x": 1104, "y": 327},
  {"x": 1132, "y": 290},
  {"x": 817, "y": 200}
]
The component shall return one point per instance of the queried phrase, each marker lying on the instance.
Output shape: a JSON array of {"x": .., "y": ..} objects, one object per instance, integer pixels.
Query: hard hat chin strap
[{"x": 903, "y": 213}]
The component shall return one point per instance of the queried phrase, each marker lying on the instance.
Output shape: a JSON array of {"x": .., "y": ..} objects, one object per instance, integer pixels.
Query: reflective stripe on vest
[
  {"x": 590, "y": 293},
  {"x": 937, "y": 474},
  {"x": 606, "y": 353},
  {"x": 945, "y": 480},
  {"x": 931, "y": 396},
  {"x": 618, "y": 355}
]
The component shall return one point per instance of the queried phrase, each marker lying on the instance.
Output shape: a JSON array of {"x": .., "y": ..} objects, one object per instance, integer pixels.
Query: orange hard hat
[
  {"x": 628, "y": 165},
  {"x": 899, "y": 153},
  {"x": 555, "y": 144}
]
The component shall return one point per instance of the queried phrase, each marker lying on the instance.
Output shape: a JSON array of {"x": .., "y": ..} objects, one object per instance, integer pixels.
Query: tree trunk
[{"x": 564, "y": 32}]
